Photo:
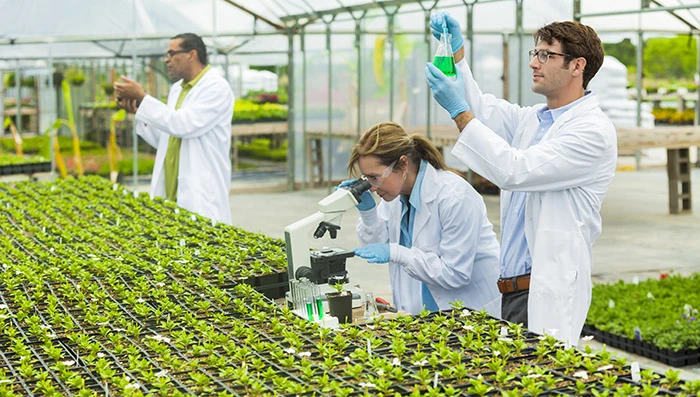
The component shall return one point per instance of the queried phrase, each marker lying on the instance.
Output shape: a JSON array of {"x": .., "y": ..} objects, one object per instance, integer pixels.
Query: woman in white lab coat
[{"x": 430, "y": 225}]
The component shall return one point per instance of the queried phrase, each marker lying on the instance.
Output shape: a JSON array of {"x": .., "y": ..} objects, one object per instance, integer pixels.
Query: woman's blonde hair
[{"x": 388, "y": 141}]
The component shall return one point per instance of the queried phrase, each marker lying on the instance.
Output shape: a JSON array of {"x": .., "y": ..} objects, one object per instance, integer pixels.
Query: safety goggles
[{"x": 377, "y": 180}]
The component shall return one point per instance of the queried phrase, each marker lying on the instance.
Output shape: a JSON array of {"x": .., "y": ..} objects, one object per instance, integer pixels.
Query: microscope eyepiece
[{"x": 360, "y": 186}]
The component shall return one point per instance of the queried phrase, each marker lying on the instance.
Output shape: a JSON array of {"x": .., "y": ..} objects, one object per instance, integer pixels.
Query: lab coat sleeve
[
  {"x": 197, "y": 117},
  {"x": 371, "y": 228},
  {"x": 499, "y": 115},
  {"x": 568, "y": 160},
  {"x": 458, "y": 242},
  {"x": 150, "y": 135}
]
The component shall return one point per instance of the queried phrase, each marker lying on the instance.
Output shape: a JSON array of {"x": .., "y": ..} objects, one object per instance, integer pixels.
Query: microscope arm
[
  {"x": 297, "y": 234},
  {"x": 296, "y": 238}
]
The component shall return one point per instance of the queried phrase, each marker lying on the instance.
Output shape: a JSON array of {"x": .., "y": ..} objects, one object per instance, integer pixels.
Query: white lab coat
[
  {"x": 204, "y": 124},
  {"x": 454, "y": 249},
  {"x": 566, "y": 175}
]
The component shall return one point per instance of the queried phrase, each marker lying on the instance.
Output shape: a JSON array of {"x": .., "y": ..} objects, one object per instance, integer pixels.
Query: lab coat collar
[
  {"x": 203, "y": 83},
  {"x": 417, "y": 190},
  {"x": 556, "y": 113},
  {"x": 582, "y": 105},
  {"x": 429, "y": 190},
  {"x": 429, "y": 187},
  {"x": 194, "y": 81}
]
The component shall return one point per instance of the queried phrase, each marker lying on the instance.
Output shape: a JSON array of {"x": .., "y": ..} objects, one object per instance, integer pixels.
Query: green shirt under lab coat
[{"x": 172, "y": 156}]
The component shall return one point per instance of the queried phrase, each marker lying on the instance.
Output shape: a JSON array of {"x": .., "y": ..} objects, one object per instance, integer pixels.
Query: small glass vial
[{"x": 370, "y": 306}]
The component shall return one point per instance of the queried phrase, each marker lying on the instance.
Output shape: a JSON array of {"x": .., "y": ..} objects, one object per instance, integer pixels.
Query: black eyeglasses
[
  {"x": 543, "y": 55},
  {"x": 170, "y": 53}
]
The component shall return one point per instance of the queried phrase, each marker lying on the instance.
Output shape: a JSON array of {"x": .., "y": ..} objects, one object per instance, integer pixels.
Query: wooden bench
[
  {"x": 676, "y": 141},
  {"x": 276, "y": 130}
]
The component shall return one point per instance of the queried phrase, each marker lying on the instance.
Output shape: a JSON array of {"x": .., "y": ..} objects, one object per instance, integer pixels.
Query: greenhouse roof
[{"x": 37, "y": 29}]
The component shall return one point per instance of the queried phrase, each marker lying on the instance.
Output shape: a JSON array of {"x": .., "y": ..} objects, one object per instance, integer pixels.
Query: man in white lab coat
[
  {"x": 192, "y": 133},
  {"x": 554, "y": 162}
]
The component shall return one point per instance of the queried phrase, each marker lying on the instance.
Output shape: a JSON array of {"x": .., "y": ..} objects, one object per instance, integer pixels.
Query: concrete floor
[{"x": 640, "y": 238}]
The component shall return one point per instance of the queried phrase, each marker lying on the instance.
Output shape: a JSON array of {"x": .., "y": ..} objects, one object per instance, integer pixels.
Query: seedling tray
[
  {"x": 679, "y": 358},
  {"x": 105, "y": 291},
  {"x": 28, "y": 168}
]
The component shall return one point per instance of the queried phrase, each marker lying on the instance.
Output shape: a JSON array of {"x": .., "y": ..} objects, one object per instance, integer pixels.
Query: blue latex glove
[
  {"x": 452, "y": 28},
  {"x": 448, "y": 92},
  {"x": 374, "y": 253},
  {"x": 366, "y": 200}
]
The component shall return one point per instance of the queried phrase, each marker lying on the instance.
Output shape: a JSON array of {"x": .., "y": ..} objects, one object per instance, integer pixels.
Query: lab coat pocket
[
  {"x": 556, "y": 265},
  {"x": 194, "y": 194}
]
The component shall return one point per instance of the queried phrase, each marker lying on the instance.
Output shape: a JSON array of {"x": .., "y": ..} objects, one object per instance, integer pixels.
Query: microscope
[{"x": 320, "y": 265}]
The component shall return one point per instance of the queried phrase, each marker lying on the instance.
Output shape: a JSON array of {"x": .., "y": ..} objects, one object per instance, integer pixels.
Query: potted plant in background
[
  {"x": 108, "y": 88},
  {"x": 75, "y": 76},
  {"x": 340, "y": 301}
]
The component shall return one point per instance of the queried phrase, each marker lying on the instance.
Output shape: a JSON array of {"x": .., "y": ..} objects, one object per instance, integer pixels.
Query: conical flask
[{"x": 444, "y": 59}]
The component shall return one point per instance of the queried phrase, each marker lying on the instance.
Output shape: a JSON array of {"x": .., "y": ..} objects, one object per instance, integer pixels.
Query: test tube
[
  {"x": 292, "y": 293},
  {"x": 319, "y": 303},
  {"x": 308, "y": 300},
  {"x": 302, "y": 298},
  {"x": 309, "y": 310}
]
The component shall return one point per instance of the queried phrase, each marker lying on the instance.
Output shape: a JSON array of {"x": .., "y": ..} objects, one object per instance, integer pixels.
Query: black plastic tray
[
  {"x": 29, "y": 168},
  {"x": 673, "y": 358}
]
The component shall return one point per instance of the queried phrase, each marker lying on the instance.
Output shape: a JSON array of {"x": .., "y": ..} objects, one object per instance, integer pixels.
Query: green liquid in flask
[{"x": 445, "y": 64}]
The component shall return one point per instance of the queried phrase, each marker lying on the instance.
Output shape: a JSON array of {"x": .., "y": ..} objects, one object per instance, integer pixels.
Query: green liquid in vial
[
  {"x": 445, "y": 64},
  {"x": 319, "y": 305},
  {"x": 310, "y": 311}
]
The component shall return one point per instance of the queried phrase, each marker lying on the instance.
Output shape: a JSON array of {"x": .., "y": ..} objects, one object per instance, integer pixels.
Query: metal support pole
[
  {"x": 18, "y": 105},
  {"x": 645, "y": 9},
  {"x": 577, "y": 10},
  {"x": 2, "y": 100},
  {"x": 470, "y": 34},
  {"x": 519, "y": 32},
  {"x": 470, "y": 39},
  {"x": 213, "y": 33},
  {"x": 93, "y": 81},
  {"x": 640, "y": 66},
  {"x": 329, "y": 155},
  {"x": 240, "y": 81},
  {"x": 135, "y": 137},
  {"x": 51, "y": 87},
  {"x": 696, "y": 120},
  {"x": 143, "y": 74},
  {"x": 506, "y": 66},
  {"x": 305, "y": 152},
  {"x": 135, "y": 143},
  {"x": 292, "y": 109},
  {"x": 429, "y": 99},
  {"x": 390, "y": 37},
  {"x": 697, "y": 80},
  {"x": 358, "y": 47},
  {"x": 226, "y": 66},
  {"x": 426, "y": 37}
]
